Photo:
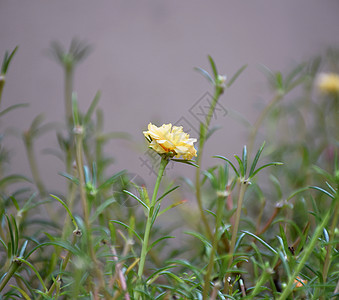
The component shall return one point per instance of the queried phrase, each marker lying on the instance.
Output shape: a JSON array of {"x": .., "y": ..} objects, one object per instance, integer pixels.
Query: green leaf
[
  {"x": 200, "y": 237},
  {"x": 16, "y": 235},
  {"x": 284, "y": 241},
  {"x": 213, "y": 66},
  {"x": 205, "y": 74},
  {"x": 241, "y": 166},
  {"x": 211, "y": 131},
  {"x": 155, "y": 214},
  {"x": 127, "y": 227},
  {"x": 297, "y": 192},
  {"x": 12, "y": 107},
  {"x": 111, "y": 180},
  {"x": 101, "y": 208},
  {"x": 75, "y": 109},
  {"x": 13, "y": 179},
  {"x": 136, "y": 198},
  {"x": 92, "y": 107},
  {"x": 10, "y": 229},
  {"x": 260, "y": 240},
  {"x": 236, "y": 75},
  {"x": 323, "y": 191},
  {"x": 166, "y": 193},
  {"x": 67, "y": 209},
  {"x": 4, "y": 245},
  {"x": 155, "y": 275},
  {"x": 186, "y": 161},
  {"x": 237, "y": 244},
  {"x": 279, "y": 81},
  {"x": 227, "y": 160},
  {"x": 256, "y": 159},
  {"x": 159, "y": 240},
  {"x": 244, "y": 159},
  {"x": 22, "y": 292},
  {"x": 7, "y": 60},
  {"x": 265, "y": 166},
  {"x": 34, "y": 270},
  {"x": 23, "y": 249}
]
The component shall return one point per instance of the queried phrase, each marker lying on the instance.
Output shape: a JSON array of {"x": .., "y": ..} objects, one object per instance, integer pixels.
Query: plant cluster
[{"x": 247, "y": 239}]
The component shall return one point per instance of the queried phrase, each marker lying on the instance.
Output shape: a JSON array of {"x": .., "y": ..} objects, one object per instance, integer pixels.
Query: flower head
[
  {"x": 170, "y": 141},
  {"x": 328, "y": 82}
]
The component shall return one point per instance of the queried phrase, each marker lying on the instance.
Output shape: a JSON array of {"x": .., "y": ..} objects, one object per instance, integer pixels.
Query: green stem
[
  {"x": 258, "y": 287},
  {"x": 63, "y": 267},
  {"x": 307, "y": 253},
  {"x": 80, "y": 168},
  {"x": 220, "y": 211},
  {"x": 204, "y": 131},
  {"x": 12, "y": 269},
  {"x": 33, "y": 164},
  {"x": 2, "y": 84},
  {"x": 243, "y": 186},
  {"x": 329, "y": 246},
  {"x": 162, "y": 167},
  {"x": 69, "y": 74}
]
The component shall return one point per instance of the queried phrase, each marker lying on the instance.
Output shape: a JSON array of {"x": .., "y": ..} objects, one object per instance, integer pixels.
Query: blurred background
[{"x": 142, "y": 60}]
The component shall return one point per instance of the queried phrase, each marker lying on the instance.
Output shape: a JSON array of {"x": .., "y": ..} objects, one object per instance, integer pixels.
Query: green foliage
[{"x": 102, "y": 236}]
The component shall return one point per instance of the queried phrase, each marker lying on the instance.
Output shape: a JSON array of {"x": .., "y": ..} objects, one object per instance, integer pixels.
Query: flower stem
[
  {"x": 2, "y": 84},
  {"x": 80, "y": 168},
  {"x": 28, "y": 140},
  {"x": 307, "y": 253},
  {"x": 149, "y": 224},
  {"x": 203, "y": 133},
  {"x": 69, "y": 74},
  {"x": 329, "y": 246},
  {"x": 220, "y": 211},
  {"x": 243, "y": 186}
]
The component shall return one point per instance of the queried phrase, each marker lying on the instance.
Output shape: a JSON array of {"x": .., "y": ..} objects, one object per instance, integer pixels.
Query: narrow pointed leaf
[
  {"x": 187, "y": 162},
  {"x": 236, "y": 75},
  {"x": 226, "y": 159},
  {"x": 92, "y": 107},
  {"x": 261, "y": 241},
  {"x": 323, "y": 191},
  {"x": 241, "y": 166},
  {"x": 34, "y": 270},
  {"x": 12, "y": 107},
  {"x": 127, "y": 227},
  {"x": 205, "y": 74},
  {"x": 244, "y": 159},
  {"x": 101, "y": 208},
  {"x": 256, "y": 159},
  {"x": 155, "y": 214},
  {"x": 67, "y": 209},
  {"x": 166, "y": 193},
  {"x": 136, "y": 198},
  {"x": 110, "y": 180},
  {"x": 159, "y": 240},
  {"x": 213, "y": 66},
  {"x": 265, "y": 166}
]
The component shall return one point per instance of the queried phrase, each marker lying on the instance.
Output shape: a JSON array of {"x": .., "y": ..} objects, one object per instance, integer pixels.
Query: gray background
[{"x": 142, "y": 61}]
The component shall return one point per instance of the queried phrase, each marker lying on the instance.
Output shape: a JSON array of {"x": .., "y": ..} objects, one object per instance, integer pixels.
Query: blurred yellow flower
[
  {"x": 328, "y": 82},
  {"x": 170, "y": 141}
]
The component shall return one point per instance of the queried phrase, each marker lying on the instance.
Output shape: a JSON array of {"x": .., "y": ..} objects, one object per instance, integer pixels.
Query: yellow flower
[
  {"x": 328, "y": 82},
  {"x": 170, "y": 141}
]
